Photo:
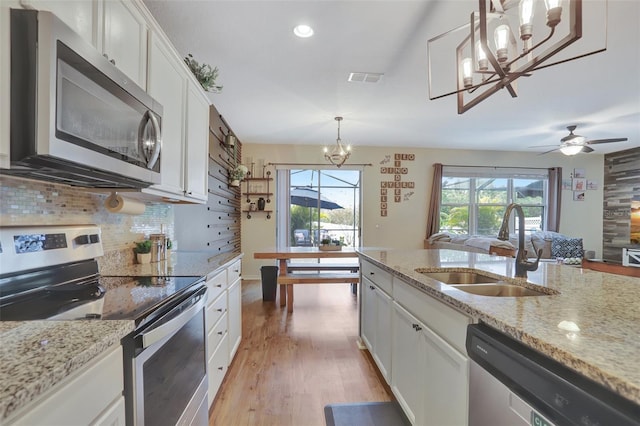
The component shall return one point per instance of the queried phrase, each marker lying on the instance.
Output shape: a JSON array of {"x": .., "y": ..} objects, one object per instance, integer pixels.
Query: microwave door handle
[
  {"x": 157, "y": 146},
  {"x": 152, "y": 158},
  {"x": 158, "y": 333}
]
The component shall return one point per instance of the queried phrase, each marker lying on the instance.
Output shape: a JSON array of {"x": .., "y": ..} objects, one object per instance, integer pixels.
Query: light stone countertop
[
  {"x": 606, "y": 308},
  {"x": 36, "y": 355},
  {"x": 181, "y": 264}
]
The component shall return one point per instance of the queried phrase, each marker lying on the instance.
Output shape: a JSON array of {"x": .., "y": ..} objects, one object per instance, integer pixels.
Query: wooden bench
[
  {"x": 287, "y": 282},
  {"x": 306, "y": 267}
]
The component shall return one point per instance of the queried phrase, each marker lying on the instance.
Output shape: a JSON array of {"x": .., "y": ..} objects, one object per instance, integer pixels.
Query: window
[
  {"x": 321, "y": 205},
  {"x": 474, "y": 199}
]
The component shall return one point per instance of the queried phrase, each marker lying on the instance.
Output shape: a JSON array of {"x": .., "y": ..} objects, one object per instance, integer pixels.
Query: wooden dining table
[{"x": 326, "y": 272}]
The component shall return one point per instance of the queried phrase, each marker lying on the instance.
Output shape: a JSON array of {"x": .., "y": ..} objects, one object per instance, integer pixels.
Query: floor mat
[{"x": 365, "y": 414}]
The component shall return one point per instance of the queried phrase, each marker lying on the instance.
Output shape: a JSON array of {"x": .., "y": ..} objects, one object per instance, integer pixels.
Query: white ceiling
[{"x": 282, "y": 89}]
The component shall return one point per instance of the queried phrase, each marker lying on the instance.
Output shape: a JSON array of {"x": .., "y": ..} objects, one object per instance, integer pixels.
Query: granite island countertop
[
  {"x": 606, "y": 308},
  {"x": 37, "y": 355}
]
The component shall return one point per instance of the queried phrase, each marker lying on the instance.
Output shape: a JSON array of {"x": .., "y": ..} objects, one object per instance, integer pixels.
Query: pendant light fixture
[
  {"x": 493, "y": 50},
  {"x": 338, "y": 153}
]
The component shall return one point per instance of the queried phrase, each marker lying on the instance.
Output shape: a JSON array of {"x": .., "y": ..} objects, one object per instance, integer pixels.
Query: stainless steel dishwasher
[{"x": 512, "y": 384}]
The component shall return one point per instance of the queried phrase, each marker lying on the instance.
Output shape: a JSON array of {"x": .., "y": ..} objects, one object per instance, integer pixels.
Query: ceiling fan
[{"x": 573, "y": 144}]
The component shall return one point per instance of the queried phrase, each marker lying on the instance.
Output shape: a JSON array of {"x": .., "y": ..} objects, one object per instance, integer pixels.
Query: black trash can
[{"x": 269, "y": 283}]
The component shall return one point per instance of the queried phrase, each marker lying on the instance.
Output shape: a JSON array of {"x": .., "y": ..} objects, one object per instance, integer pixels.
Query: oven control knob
[{"x": 81, "y": 239}]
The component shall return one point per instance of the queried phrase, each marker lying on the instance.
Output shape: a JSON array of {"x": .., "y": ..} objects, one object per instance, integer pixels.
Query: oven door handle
[{"x": 174, "y": 320}]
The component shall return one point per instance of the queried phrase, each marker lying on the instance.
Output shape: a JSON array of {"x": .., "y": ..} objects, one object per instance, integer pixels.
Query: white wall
[{"x": 405, "y": 224}]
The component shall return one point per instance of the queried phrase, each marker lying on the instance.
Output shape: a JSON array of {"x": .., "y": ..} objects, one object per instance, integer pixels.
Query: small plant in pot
[
  {"x": 237, "y": 174},
  {"x": 143, "y": 251}
]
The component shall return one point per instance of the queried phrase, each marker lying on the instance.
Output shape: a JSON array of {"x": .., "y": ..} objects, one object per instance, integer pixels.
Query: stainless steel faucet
[{"x": 522, "y": 265}]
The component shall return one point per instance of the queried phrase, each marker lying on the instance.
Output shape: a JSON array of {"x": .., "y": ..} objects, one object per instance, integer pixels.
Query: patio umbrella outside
[{"x": 307, "y": 197}]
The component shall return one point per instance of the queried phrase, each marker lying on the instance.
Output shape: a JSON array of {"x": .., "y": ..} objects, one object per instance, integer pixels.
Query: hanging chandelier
[
  {"x": 490, "y": 56},
  {"x": 338, "y": 153}
]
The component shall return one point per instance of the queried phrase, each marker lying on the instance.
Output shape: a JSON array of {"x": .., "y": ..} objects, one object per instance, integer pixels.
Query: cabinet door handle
[
  {"x": 372, "y": 273},
  {"x": 219, "y": 310},
  {"x": 416, "y": 327},
  {"x": 220, "y": 368},
  {"x": 372, "y": 287},
  {"x": 220, "y": 333},
  {"x": 219, "y": 285},
  {"x": 113, "y": 62}
]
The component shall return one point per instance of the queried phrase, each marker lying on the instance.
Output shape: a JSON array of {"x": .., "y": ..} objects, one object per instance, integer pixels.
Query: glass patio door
[{"x": 320, "y": 206}]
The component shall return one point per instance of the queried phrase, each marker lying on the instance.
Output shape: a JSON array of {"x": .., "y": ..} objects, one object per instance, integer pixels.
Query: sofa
[{"x": 553, "y": 244}]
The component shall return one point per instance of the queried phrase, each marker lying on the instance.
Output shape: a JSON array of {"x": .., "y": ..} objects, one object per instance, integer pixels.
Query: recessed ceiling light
[{"x": 303, "y": 31}]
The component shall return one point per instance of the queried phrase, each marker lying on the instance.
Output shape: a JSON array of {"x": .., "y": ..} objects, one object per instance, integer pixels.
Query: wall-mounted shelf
[{"x": 250, "y": 212}]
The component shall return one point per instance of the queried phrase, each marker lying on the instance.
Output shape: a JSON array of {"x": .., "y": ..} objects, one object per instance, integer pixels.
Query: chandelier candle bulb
[
  {"x": 467, "y": 72},
  {"x": 554, "y": 12},
  {"x": 501, "y": 36},
  {"x": 526, "y": 19},
  {"x": 481, "y": 57}
]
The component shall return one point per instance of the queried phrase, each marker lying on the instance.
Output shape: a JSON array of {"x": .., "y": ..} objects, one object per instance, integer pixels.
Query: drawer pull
[
  {"x": 416, "y": 327},
  {"x": 220, "y": 368},
  {"x": 372, "y": 287},
  {"x": 372, "y": 273},
  {"x": 220, "y": 333},
  {"x": 219, "y": 310},
  {"x": 219, "y": 285}
]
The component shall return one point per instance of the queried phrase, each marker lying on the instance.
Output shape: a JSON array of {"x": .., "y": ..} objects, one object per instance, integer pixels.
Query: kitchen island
[{"x": 605, "y": 307}]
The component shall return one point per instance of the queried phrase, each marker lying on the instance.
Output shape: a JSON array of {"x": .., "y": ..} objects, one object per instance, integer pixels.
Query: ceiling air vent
[{"x": 365, "y": 77}]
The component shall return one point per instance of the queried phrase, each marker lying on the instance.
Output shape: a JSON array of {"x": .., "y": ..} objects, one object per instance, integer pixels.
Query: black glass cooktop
[
  {"x": 110, "y": 298},
  {"x": 136, "y": 297}
]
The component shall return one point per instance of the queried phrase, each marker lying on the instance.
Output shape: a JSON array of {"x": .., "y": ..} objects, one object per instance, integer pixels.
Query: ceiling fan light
[{"x": 571, "y": 149}]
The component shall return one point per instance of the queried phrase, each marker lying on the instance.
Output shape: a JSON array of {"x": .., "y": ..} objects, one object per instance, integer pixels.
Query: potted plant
[
  {"x": 143, "y": 251},
  {"x": 326, "y": 244},
  {"x": 237, "y": 174},
  {"x": 204, "y": 74}
]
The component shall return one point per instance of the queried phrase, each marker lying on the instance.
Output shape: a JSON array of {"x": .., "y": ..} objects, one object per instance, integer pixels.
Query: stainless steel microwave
[{"x": 76, "y": 118}]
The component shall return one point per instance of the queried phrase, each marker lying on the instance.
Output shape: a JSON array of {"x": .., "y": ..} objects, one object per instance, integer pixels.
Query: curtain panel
[{"x": 433, "y": 215}]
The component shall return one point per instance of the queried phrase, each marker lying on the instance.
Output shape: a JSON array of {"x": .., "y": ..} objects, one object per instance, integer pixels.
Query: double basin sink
[{"x": 479, "y": 284}]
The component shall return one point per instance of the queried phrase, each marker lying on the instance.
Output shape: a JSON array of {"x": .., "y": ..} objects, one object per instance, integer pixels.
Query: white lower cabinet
[
  {"x": 235, "y": 317},
  {"x": 91, "y": 396},
  {"x": 430, "y": 377},
  {"x": 417, "y": 342},
  {"x": 376, "y": 332},
  {"x": 223, "y": 324}
]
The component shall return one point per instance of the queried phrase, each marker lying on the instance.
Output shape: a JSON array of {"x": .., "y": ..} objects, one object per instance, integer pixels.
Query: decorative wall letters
[{"x": 391, "y": 189}]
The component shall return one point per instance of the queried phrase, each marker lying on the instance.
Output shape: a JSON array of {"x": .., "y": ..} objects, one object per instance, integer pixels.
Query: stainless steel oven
[
  {"x": 51, "y": 273},
  {"x": 165, "y": 370},
  {"x": 76, "y": 118}
]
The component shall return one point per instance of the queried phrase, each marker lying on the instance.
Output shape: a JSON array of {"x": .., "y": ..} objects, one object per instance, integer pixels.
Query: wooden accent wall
[
  {"x": 214, "y": 226},
  {"x": 621, "y": 183}
]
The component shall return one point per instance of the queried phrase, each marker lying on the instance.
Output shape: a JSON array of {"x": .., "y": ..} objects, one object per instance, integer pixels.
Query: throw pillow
[{"x": 566, "y": 247}]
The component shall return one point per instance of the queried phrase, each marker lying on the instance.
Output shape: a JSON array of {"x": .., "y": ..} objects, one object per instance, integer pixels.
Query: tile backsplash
[{"x": 24, "y": 202}]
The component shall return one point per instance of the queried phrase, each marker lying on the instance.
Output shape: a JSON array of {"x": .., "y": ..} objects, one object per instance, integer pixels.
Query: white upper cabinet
[
  {"x": 197, "y": 143},
  {"x": 116, "y": 28},
  {"x": 80, "y": 15},
  {"x": 125, "y": 39},
  {"x": 167, "y": 83}
]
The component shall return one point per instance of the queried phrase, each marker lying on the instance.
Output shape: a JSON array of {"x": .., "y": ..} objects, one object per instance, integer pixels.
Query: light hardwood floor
[{"x": 289, "y": 366}]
